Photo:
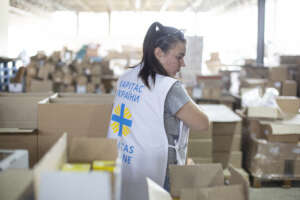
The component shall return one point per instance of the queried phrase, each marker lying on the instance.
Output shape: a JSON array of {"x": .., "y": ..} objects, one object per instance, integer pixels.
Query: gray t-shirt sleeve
[{"x": 176, "y": 98}]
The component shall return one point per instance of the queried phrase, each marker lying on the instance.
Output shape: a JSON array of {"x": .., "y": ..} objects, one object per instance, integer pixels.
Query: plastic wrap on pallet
[{"x": 273, "y": 160}]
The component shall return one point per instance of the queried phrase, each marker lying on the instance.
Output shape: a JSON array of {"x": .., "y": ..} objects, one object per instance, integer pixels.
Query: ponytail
[{"x": 157, "y": 36}]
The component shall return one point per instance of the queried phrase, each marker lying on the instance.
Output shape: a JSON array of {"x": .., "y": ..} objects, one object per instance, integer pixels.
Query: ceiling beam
[
  {"x": 109, "y": 5},
  {"x": 192, "y": 5}
]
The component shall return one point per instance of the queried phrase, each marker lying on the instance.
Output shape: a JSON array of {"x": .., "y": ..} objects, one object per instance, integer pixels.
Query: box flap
[
  {"x": 85, "y": 149},
  {"x": 219, "y": 113},
  {"x": 52, "y": 161},
  {"x": 194, "y": 176},
  {"x": 232, "y": 192},
  {"x": 288, "y": 104},
  {"x": 156, "y": 192},
  {"x": 15, "y": 183},
  {"x": 263, "y": 112},
  {"x": 281, "y": 128},
  {"x": 16, "y": 130},
  {"x": 236, "y": 178}
]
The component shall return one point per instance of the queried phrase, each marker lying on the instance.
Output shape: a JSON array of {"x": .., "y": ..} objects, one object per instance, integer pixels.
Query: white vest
[{"x": 137, "y": 121}]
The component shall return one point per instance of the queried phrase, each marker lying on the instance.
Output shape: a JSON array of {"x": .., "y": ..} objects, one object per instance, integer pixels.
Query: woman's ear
[{"x": 158, "y": 53}]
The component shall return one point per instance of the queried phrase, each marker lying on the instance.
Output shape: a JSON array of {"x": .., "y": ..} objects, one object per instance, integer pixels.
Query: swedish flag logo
[{"x": 121, "y": 120}]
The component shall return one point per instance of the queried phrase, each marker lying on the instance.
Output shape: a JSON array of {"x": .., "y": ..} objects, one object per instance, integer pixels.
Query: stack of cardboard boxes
[
  {"x": 272, "y": 143},
  {"x": 18, "y": 122},
  {"x": 51, "y": 74},
  {"x": 275, "y": 77},
  {"x": 222, "y": 142}
]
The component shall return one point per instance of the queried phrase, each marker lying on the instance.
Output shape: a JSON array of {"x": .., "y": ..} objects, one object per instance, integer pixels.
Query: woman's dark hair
[{"x": 160, "y": 36}]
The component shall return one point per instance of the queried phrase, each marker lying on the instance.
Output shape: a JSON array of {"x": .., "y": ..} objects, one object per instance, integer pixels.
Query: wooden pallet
[{"x": 284, "y": 182}]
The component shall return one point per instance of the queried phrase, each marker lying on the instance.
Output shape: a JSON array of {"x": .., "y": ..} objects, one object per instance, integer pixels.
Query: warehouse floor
[{"x": 277, "y": 193}]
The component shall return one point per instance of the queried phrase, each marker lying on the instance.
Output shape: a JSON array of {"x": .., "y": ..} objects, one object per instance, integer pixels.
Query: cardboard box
[
  {"x": 194, "y": 176},
  {"x": 201, "y": 134},
  {"x": 271, "y": 160},
  {"x": 39, "y": 86},
  {"x": 219, "y": 113},
  {"x": 200, "y": 148},
  {"x": 238, "y": 183},
  {"x": 286, "y": 107},
  {"x": 225, "y": 125},
  {"x": 253, "y": 83},
  {"x": 202, "y": 160},
  {"x": 235, "y": 192},
  {"x": 221, "y": 158},
  {"x": 289, "y": 88},
  {"x": 211, "y": 93},
  {"x": 236, "y": 143},
  {"x": 256, "y": 72},
  {"x": 81, "y": 150},
  {"x": 222, "y": 143},
  {"x": 16, "y": 184},
  {"x": 278, "y": 73},
  {"x": 13, "y": 138},
  {"x": 228, "y": 128},
  {"x": 288, "y": 104},
  {"x": 278, "y": 132},
  {"x": 78, "y": 116},
  {"x": 263, "y": 112},
  {"x": 236, "y": 159},
  {"x": 19, "y": 111},
  {"x": 209, "y": 81}
]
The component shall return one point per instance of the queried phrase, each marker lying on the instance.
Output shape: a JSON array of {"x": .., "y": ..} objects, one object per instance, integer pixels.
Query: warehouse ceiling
[{"x": 47, "y": 6}]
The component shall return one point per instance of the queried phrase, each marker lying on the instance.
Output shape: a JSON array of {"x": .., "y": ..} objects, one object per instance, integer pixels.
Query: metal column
[{"x": 261, "y": 32}]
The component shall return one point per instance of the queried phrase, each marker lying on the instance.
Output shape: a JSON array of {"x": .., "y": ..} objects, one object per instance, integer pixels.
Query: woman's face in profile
[{"x": 172, "y": 60}]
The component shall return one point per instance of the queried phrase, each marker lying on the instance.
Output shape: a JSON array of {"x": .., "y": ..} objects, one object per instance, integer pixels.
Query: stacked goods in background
[
  {"x": 210, "y": 86},
  {"x": 271, "y": 140},
  {"x": 283, "y": 78},
  {"x": 273, "y": 150},
  {"x": 222, "y": 142},
  {"x": 73, "y": 75}
]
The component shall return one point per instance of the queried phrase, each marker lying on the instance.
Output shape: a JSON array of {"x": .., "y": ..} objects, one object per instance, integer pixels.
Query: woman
[{"x": 152, "y": 113}]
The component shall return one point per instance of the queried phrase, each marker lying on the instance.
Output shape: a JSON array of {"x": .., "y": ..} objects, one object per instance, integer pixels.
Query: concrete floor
[{"x": 277, "y": 193}]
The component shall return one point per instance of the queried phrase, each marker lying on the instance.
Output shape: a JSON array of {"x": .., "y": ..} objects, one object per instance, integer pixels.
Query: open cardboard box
[
  {"x": 198, "y": 182},
  {"x": 287, "y": 107},
  {"x": 19, "y": 111},
  {"x": 84, "y": 116},
  {"x": 82, "y": 150},
  {"x": 287, "y": 130}
]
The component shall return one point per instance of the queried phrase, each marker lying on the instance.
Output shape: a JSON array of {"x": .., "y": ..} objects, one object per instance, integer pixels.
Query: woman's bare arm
[{"x": 193, "y": 117}]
